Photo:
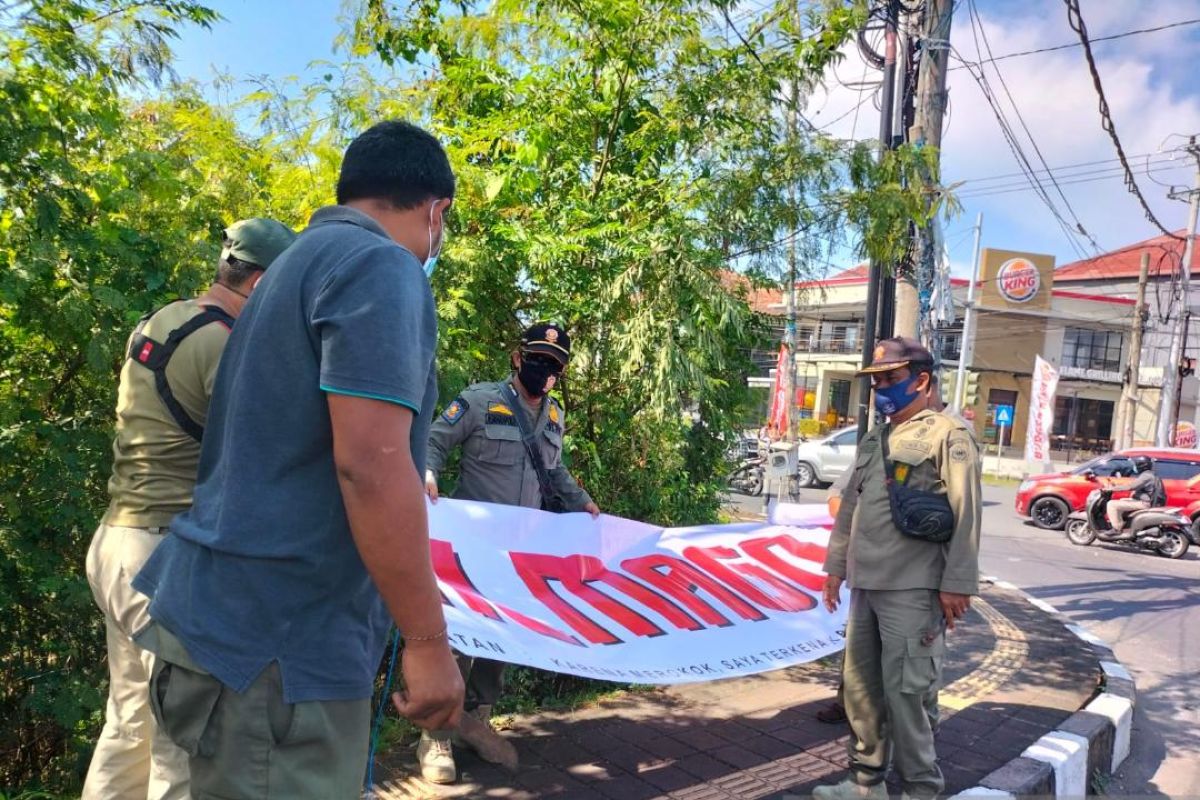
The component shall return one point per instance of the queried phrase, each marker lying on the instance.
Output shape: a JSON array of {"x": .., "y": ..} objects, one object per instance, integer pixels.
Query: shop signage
[
  {"x": 1146, "y": 377},
  {"x": 1018, "y": 280},
  {"x": 1185, "y": 435}
]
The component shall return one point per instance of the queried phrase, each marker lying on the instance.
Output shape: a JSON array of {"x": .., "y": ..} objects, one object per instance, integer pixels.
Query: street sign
[{"x": 1004, "y": 415}]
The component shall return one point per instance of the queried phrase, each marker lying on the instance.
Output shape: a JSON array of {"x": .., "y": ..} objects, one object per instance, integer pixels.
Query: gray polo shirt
[{"x": 263, "y": 567}]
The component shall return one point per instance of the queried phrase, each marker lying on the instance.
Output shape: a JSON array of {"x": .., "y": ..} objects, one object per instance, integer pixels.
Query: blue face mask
[
  {"x": 892, "y": 399},
  {"x": 431, "y": 262}
]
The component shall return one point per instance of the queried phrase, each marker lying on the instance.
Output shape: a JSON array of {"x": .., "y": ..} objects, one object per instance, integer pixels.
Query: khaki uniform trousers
[
  {"x": 133, "y": 759},
  {"x": 253, "y": 745},
  {"x": 892, "y": 666}
]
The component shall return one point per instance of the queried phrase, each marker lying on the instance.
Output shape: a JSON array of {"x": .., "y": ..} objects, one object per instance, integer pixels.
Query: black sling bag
[
  {"x": 918, "y": 514},
  {"x": 155, "y": 356}
]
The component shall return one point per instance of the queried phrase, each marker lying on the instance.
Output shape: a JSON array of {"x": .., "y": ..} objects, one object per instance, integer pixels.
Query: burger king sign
[{"x": 1018, "y": 280}]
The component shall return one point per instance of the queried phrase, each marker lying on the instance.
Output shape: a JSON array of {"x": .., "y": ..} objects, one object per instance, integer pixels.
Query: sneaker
[
  {"x": 849, "y": 790},
  {"x": 436, "y": 758}
]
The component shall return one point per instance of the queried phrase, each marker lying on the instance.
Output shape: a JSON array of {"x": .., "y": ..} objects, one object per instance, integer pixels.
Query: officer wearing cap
[
  {"x": 165, "y": 386},
  {"x": 905, "y": 590},
  {"x": 497, "y": 467}
]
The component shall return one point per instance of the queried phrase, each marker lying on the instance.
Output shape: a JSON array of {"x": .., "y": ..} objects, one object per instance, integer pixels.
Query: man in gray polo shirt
[{"x": 271, "y": 597}]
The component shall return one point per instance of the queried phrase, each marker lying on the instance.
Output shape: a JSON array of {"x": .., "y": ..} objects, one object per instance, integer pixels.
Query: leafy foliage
[{"x": 624, "y": 169}]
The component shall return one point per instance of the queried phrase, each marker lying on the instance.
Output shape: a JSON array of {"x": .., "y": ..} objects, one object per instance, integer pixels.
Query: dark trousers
[{"x": 484, "y": 679}]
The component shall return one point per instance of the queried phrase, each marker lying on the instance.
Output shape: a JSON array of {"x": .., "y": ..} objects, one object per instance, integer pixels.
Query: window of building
[
  {"x": 1082, "y": 425},
  {"x": 1089, "y": 349},
  {"x": 845, "y": 337},
  {"x": 949, "y": 345}
]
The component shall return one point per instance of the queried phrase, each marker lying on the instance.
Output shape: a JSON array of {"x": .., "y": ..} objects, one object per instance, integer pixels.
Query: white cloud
[{"x": 1151, "y": 92}]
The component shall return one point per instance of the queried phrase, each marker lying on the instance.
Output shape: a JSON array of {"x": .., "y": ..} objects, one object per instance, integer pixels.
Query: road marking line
[{"x": 1007, "y": 657}]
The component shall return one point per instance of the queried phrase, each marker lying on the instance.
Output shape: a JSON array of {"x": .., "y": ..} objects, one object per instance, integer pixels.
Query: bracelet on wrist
[{"x": 442, "y": 634}]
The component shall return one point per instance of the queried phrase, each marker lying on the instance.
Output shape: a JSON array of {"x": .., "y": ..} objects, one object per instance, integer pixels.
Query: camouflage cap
[
  {"x": 257, "y": 241},
  {"x": 897, "y": 352}
]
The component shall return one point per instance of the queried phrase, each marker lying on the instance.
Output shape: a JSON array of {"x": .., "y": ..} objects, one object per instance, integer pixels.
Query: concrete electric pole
[
  {"x": 1129, "y": 393},
  {"x": 927, "y": 131},
  {"x": 1171, "y": 378}
]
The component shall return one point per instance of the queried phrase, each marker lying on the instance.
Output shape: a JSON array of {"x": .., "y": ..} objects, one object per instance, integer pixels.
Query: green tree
[{"x": 107, "y": 209}]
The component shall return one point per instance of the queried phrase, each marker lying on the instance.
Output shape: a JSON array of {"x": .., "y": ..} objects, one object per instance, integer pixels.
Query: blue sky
[{"x": 1150, "y": 82}]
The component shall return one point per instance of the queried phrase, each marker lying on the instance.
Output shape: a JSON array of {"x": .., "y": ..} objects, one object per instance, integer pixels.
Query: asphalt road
[{"x": 1146, "y": 607}]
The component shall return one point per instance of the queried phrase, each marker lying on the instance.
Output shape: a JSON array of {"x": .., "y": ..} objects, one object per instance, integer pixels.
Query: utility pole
[
  {"x": 1171, "y": 378},
  {"x": 967, "y": 350},
  {"x": 1129, "y": 400},
  {"x": 926, "y": 131},
  {"x": 1187, "y": 318},
  {"x": 875, "y": 269}
]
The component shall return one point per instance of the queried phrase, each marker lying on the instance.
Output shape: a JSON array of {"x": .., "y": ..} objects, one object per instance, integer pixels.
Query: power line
[
  {"x": 1078, "y": 179},
  {"x": 1018, "y": 154},
  {"x": 977, "y": 25},
  {"x": 1071, "y": 45},
  {"x": 1074, "y": 166},
  {"x": 1075, "y": 19}
]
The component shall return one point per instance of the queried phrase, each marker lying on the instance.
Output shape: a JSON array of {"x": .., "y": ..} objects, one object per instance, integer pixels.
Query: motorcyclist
[{"x": 1147, "y": 491}]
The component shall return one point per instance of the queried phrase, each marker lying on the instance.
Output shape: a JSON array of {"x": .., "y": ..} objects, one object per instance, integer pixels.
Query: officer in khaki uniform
[
  {"x": 496, "y": 467},
  {"x": 905, "y": 592},
  {"x": 162, "y": 406}
]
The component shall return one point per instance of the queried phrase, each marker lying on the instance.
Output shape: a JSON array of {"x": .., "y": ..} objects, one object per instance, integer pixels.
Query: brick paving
[{"x": 1013, "y": 674}]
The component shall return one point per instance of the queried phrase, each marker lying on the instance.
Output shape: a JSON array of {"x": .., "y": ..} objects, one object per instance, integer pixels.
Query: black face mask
[{"x": 534, "y": 374}]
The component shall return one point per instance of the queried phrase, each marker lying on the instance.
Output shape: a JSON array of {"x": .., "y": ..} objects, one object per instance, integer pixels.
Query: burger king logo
[
  {"x": 1185, "y": 435},
  {"x": 1018, "y": 280}
]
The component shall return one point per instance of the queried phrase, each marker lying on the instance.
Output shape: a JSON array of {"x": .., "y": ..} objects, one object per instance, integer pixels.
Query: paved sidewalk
[{"x": 1013, "y": 674}]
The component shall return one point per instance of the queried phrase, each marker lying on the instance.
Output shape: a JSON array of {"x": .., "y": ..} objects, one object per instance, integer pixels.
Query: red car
[{"x": 1048, "y": 499}]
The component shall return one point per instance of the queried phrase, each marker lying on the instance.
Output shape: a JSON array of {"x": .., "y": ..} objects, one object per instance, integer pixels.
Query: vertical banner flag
[
  {"x": 1041, "y": 412},
  {"x": 780, "y": 394},
  {"x": 625, "y": 601}
]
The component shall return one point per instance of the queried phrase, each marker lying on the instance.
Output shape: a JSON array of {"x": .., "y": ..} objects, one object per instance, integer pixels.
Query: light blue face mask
[{"x": 431, "y": 262}]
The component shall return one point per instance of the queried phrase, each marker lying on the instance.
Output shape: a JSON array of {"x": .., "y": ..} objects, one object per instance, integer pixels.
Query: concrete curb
[{"x": 1091, "y": 743}]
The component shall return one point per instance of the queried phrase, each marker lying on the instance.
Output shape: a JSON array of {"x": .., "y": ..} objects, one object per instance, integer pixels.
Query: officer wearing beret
[
  {"x": 905, "y": 590},
  {"x": 497, "y": 467}
]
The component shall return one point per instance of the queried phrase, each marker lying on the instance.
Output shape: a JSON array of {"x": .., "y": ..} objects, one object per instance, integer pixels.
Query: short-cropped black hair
[{"x": 397, "y": 162}]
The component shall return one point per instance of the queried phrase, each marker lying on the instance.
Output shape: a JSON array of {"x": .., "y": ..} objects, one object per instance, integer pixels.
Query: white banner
[
  {"x": 624, "y": 601},
  {"x": 1041, "y": 412}
]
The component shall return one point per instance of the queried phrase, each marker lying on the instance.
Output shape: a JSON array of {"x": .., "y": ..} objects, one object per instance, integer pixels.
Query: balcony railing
[{"x": 832, "y": 345}]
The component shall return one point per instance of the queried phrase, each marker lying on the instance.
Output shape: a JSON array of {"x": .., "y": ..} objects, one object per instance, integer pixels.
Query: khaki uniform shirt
[
  {"x": 495, "y": 467},
  {"x": 935, "y": 452},
  {"x": 154, "y": 461}
]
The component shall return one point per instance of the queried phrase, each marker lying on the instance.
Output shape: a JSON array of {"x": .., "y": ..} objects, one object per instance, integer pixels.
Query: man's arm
[
  {"x": 386, "y": 509},
  {"x": 449, "y": 430},
  {"x": 961, "y": 474}
]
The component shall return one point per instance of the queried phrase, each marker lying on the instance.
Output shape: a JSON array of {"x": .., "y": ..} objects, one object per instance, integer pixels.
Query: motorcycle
[
  {"x": 1160, "y": 530},
  {"x": 749, "y": 476}
]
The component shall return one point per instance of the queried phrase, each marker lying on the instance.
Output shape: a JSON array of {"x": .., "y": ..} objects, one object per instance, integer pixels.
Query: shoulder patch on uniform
[
  {"x": 554, "y": 412},
  {"x": 499, "y": 408},
  {"x": 456, "y": 410},
  {"x": 960, "y": 453}
]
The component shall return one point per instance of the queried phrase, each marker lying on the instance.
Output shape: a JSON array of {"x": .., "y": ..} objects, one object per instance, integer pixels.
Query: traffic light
[
  {"x": 947, "y": 381},
  {"x": 971, "y": 391}
]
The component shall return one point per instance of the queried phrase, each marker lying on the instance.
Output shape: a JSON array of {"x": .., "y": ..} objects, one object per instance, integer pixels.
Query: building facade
[{"x": 1022, "y": 312}]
